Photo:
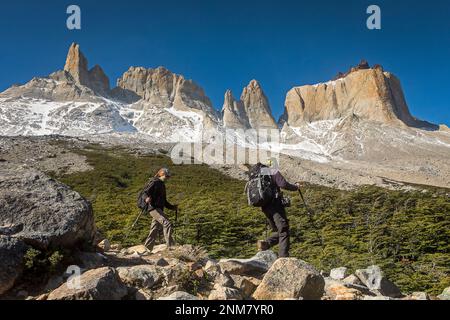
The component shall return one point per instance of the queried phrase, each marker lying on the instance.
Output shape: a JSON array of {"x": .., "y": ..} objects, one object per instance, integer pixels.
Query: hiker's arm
[{"x": 283, "y": 183}]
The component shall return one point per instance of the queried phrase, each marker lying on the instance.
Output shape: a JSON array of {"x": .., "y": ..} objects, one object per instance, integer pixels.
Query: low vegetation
[{"x": 406, "y": 233}]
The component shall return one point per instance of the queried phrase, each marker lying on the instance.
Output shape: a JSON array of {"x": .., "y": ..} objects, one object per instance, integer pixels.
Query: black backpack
[
  {"x": 143, "y": 194},
  {"x": 259, "y": 189}
]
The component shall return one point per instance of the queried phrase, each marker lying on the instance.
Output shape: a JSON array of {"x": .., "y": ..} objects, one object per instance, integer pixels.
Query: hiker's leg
[
  {"x": 274, "y": 238},
  {"x": 153, "y": 234},
  {"x": 159, "y": 216},
  {"x": 282, "y": 224}
]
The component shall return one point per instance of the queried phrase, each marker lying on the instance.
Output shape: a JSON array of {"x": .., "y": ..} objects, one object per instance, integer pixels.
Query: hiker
[
  {"x": 274, "y": 208},
  {"x": 157, "y": 201}
]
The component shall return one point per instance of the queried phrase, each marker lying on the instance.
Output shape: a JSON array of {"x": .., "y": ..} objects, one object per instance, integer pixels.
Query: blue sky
[{"x": 224, "y": 44}]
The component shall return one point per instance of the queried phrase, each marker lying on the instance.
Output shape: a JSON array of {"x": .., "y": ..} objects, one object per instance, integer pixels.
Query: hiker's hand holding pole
[{"x": 300, "y": 185}]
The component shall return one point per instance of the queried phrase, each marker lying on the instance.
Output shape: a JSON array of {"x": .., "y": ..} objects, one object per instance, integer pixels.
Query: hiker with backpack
[
  {"x": 153, "y": 200},
  {"x": 264, "y": 191}
]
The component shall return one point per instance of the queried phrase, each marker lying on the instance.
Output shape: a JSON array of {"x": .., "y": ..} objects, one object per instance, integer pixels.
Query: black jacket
[{"x": 156, "y": 190}]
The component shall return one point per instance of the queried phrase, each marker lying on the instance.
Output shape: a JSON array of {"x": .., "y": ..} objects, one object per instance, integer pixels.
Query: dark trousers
[{"x": 279, "y": 223}]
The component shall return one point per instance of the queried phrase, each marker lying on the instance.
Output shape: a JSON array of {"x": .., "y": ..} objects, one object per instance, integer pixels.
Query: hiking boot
[{"x": 262, "y": 245}]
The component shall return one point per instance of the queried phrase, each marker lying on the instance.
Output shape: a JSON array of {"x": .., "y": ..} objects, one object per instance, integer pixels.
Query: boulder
[
  {"x": 212, "y": 266},
  {"x": 142, "y": 295},
  {"x": 378, "y": 298},
  {"x": 445, "y": 294},
  {"x": 374, "y": 279},
  {"x": 246, "y": 285},
  {"x": 291, "y": 278},
  {"x": 97, "y": 284},
  {"x": 338, "y": 273},
  {"x": 51, "y": 213},
  {"x": 54, "y": 283},
  {"x": 104, "y": 245},
  {"x": 418, "y": 296},
  {"x": 224, "y": 280},
  {"x": 12, "y": 252},
  {"x": 224, "y": 293},
  {"x": 144, "y": 276},
  {"x": 339, "y": 290},
  {"x": 139, "y": 250},
  {"x": 257, "y": 265},
  {"x": 352, "y": 279},
  {"x": 179, "y": 295}
]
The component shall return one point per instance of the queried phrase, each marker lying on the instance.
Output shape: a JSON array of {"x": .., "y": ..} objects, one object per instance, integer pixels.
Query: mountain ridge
[
  {"x": 358, "y": 116},
  {"x": 255, "y": 102}
]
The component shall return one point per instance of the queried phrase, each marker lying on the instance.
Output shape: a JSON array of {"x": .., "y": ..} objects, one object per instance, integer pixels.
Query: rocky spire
[
  {"x": 77, "y": 67},
  {"x": 257, "y": 107},
  {"x": 234, "y": 115}
]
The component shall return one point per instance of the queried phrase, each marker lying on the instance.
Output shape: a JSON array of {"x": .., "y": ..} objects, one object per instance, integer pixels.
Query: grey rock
[
  {"x": 338, "y": 273},
  {"x": 374, "y": 279},
  {"x": 142, "y": 295},
  {"x": 179, "y": 295},
  {"x": 291, "y": 278},
  {"x": 418, "y": 296},
  {"x": 96, "y": 284},
  {"x": 224, "y": 280},
  {"x": 339, "y": 290},
  {"x": 10, "y": 230},
  {"x": 382, "y": 298},
  {"x": 12, "y": 252},
  {"x": 51, "y": 213},
  {"x": 257, "y": 265},
  {"x": 352, "y": 279},
  {"x": 246, "y": 285},
  {"x": 144, "y": 276},
  {"x": 224, "y": 293},
  {"x": 53, "y": 283}
]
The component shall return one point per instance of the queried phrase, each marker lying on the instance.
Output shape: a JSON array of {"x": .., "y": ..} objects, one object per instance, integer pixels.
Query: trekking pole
[
  {"x": 175, "y": 225},
  {"x": 134, "y": 224},
  {"x": 310, "y": 215},
  {"x": 308, "y": 209}
]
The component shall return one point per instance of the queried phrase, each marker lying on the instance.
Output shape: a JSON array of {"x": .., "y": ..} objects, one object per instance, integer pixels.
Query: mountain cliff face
[
  {"x": 367, "y": 93},
  {"x": 162, "y": 88},
  {"x": 252, "y": 111}
]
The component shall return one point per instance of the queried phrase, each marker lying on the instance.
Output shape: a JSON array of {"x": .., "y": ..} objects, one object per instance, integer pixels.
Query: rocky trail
[{"x": 186, "y": 273}]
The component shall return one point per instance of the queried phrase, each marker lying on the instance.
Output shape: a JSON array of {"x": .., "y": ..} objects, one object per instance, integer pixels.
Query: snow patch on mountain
[{"x": 37, "y": 117}]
